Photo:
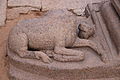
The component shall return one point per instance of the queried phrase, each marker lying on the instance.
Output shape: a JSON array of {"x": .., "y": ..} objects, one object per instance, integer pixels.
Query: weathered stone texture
[
  {"x": 3, "y": 5},
  {"x": 33, "y": 3},
  {"x": 78, "y": 12},
  {"x": 15, "y": 12},
  {"x": 77, "y": 6},
  {"x": 52, "y": 4},
  {"x": 69, "y": 4},
  {"x": 37, "y": 38}
]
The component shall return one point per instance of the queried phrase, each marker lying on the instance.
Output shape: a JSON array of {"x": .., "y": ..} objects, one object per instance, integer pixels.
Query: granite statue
[
  {"x": 83, "y": 47},
  {"x": 58, "y": 33}
]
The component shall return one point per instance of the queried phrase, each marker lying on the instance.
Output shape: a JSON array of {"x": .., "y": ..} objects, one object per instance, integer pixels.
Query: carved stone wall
[{"x": 16, "y": 7}]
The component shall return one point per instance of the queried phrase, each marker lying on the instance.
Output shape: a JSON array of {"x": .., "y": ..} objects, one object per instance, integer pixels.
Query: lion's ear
[{"x": 94, "y": 28}]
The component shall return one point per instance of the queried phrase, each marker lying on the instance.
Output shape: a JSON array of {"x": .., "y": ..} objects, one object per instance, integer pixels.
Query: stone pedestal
[{"x": 30, "y": 69}]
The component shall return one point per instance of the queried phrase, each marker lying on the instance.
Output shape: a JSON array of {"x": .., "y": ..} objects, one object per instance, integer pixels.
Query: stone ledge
[
  {"x": 59, "y": 70},
  {"x": 23, "y": 75},
  {"x": 13, "y": 13},
  {"x": 23, "y": 3},
  {"x": 52, "y": 4},
  {"x": 30, "y": 76}
]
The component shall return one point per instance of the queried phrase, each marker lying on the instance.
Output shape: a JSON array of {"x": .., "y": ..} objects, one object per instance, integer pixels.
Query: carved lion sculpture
[{"x": 58, "y": 33}]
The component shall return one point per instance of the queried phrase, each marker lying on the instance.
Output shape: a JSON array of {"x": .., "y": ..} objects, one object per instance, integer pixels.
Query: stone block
[
  {"x": 52, "y": 4},
  {"x": 29, "y": 3},
  {"x": 3, "y": 5},
  {"x": 15, "y": 12}
]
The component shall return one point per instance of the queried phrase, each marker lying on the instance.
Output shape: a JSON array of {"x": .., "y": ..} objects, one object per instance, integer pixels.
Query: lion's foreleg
[
  {"x": 67, "y": 54},
  {"x": 95, "y": 46},
  {"x": 88, "y": 43}
]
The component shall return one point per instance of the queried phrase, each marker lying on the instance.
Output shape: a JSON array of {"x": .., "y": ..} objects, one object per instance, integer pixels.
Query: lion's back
[{"x": 42, "y": 31}]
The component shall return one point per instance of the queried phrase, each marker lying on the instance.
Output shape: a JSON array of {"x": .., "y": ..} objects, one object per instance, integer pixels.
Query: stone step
[
  {"x": 17, "y": 74},
  {"x": 92, "y": 67},
  {"x": 3, "y": 7}
]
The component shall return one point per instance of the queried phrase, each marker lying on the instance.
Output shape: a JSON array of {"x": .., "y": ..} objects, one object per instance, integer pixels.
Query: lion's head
[{"x": 86, "y": 30}]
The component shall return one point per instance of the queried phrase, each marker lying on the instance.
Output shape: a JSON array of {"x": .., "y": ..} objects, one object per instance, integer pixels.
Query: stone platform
[
  {"x": 30, "y": 76},
  {"x": 90, "y": 68}
]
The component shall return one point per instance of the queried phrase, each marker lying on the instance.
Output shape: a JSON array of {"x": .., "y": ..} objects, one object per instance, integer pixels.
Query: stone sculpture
[
  {"x": 69, "y": 44},
  {"x": 55, "y": 34}
]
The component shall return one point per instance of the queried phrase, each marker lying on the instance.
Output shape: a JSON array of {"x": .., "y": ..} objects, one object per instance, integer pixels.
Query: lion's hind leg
[{"x": 18, "y": 43}]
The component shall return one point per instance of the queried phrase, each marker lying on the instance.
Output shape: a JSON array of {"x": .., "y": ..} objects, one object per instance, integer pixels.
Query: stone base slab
[
  {"x": 18, "y": 74},
  {"x": 21, "y": 68}
]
